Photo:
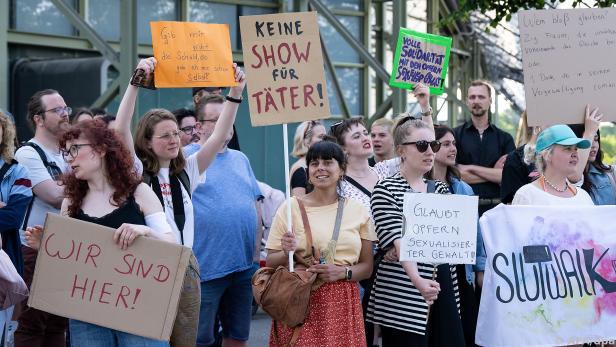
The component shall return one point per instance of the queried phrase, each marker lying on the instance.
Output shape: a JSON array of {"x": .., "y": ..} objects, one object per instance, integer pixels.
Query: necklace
[{"x": 556, "y": 188}]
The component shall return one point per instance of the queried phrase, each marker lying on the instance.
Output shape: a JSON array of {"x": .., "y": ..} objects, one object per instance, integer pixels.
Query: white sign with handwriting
[
  {"x": 568, "y": 58},
  {"x": 439, "y": 228}
]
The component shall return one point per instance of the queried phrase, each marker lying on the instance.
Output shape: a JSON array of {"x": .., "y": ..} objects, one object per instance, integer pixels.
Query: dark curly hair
[{"x": 118, "y": 164}]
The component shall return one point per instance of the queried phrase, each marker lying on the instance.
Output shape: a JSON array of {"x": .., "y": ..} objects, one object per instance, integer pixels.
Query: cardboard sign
[
  {"x": 439, "y": 228},
  {"x": 192, "y": 55},
  {"x": 82, "y": 274},
  {"x": 550, "y": 276},
  {"x": 567, "y": 57},
  {"x": 420, "y": 58},
  {"x": 284, "y": 65}
]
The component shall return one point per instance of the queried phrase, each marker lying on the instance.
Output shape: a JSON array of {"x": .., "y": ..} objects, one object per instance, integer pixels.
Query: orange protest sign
[{"x": 192, "y": 55}]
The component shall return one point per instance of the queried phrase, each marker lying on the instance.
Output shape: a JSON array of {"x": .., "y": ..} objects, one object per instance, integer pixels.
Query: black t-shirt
[
  {"x": 371, "y": 161},
  {"x": 483, "y": 151},
  {"x": 299, "y": 179},
  {"x": 515, "y": 174}
]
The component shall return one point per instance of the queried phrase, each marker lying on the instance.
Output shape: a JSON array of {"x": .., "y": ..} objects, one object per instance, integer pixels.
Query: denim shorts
[
  {"x": 91, "y": 335},
  {"x": 231, "y": 298}
]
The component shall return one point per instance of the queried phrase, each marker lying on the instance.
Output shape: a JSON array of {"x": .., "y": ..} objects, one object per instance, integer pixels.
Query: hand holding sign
[
  {"x": 126, "y": 234},
  {"x": 34, "y": 235},
  {"x": 422, "y": 94},
  {"x": 240, "y": 78}
]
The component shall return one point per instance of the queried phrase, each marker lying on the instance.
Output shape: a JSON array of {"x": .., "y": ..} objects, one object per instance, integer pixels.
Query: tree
[{"x": 503, "y": 9}]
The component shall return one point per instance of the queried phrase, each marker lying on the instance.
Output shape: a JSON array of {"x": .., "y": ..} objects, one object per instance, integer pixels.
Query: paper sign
[
  {"x": 568, "y": 63},
  {"x": 192, "y": 55},
  {"x": 284, "y": 65},
  {"x": 550, "y": 276},
  {"x": 439, "y": 228},
  {"x": 82, "y": 274},
  {"x": 420, "y": 58}
]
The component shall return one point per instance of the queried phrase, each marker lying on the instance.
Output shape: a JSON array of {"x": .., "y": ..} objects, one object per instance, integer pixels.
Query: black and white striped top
[{"x": 394, "y": 301}]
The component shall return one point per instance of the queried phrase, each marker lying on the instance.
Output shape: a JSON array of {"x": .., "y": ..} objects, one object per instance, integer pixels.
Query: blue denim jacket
[
  {"x": 601, "y": 190},
  {"x": 460, "y": 187}
]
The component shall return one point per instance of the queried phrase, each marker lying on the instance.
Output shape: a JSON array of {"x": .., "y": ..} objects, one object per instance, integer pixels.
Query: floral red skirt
[{"x": 335, "y": 319}]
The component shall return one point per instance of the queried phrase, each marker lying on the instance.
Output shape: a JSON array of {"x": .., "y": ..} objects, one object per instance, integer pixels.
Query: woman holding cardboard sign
[
  {"x": 104, "y": 188},
  {"x": 342, "y": 256},
  {"x": 157, "y": 144},
  {"x": 404, "y": 292}
]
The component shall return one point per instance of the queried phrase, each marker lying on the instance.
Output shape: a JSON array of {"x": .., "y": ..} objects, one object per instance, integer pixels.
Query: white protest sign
[
  {"x": 439, "y": 228},
  {"x": 568, "y": 62}
]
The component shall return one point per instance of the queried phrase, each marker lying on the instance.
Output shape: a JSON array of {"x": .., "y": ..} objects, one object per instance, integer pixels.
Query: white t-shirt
[
  {"x": 192, "y": 170},
  {"x": 530, "y": 194},
  {"x": 29, "y": 157}
]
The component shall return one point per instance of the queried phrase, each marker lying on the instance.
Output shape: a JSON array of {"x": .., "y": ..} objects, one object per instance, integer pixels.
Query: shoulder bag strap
[
  {"x": 338, "y": 218},
  {"x": 358, "y": 186},
  {"x": 53, "y": 169},
  {"x": 309, "y": 246}
]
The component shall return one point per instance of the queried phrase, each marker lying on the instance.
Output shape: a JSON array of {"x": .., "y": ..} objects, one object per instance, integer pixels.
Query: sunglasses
[{"x": 422, "y": 145}]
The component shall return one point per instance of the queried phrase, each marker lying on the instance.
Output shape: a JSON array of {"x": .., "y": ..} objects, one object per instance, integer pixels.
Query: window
[{"x": 41, "y": 16}]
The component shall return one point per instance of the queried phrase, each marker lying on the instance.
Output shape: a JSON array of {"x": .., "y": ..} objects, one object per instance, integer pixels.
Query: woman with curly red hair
[{"x": 104, "y": 188}]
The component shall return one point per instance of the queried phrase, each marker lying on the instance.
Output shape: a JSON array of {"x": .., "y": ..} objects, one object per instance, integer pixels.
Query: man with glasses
[
  {"x": 227, "y": 221},
  {"x": 482, "y": 147},
  {"x": 189, "y": 127},
  {"x": 48, "y": 116}
]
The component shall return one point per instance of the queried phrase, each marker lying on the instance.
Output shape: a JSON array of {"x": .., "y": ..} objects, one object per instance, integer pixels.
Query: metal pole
[
  {"x": 399, "y": 102},
  {"x": 128, "y": 46}
]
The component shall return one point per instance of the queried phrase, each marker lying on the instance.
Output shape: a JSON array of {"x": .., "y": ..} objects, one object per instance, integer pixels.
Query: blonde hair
[
  {"x": 531, "y": 156},
  {"x": 383, "y": 122},
  {"x": 302, "y": 133},
  {"x": 404, "y": 125},
  {"x": 7, "y": 146}
]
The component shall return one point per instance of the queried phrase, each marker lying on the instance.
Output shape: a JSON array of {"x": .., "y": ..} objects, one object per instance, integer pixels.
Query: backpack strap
[
  {"x": 5, "y": 168},
  {"x": 54, "y": 170},
  {"x": 183, "y": 177},
  {"x": 179, "y": 215}
]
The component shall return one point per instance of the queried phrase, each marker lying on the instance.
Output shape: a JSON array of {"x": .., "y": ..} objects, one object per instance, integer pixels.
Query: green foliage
[
  {"x": 608, "y": 143},
  {"x": 498, "y": 10}
]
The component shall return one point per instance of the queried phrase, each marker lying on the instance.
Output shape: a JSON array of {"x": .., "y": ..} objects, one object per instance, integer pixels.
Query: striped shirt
[{"x": 394, "y": 301}]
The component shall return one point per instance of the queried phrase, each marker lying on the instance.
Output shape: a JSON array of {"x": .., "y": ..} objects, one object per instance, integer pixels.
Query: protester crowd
[{"x": 176, "y": 179}]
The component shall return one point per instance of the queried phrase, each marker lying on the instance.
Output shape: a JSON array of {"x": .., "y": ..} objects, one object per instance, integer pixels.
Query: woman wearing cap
[{"x": 556, "y": 159}]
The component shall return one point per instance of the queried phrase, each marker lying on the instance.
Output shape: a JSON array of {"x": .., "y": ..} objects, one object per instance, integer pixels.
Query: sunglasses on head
[{"x": 422, "y": 145}]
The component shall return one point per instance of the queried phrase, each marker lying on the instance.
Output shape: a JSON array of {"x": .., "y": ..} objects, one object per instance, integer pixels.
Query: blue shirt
[
  {"x": 460, "y": 187},
  {"x": 601, "y": 190},
  {"x": 226, "y": 216},
  {"x": 191, "y": 149}
]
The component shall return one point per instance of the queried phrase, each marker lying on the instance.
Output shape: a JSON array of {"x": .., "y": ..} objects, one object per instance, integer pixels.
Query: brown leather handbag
[{"x": 285, "y": 295}]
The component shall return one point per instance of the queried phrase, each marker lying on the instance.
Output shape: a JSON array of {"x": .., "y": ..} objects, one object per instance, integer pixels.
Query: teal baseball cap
[{"x": 559, "y": 135}]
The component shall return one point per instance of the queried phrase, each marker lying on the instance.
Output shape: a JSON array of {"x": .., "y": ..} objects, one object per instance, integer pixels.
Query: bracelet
[
  {"x": 231, "y": 99},
  {"x": 428, "y": 112}
]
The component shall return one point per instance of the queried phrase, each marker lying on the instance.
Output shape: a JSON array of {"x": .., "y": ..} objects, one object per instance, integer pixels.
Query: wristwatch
[{"x": 348, "y": 273}]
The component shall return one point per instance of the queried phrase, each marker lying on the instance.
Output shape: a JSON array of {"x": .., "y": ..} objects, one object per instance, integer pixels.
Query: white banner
[
  {"x": 439, "y": 228},
  {"x": 550, "y": 276}
]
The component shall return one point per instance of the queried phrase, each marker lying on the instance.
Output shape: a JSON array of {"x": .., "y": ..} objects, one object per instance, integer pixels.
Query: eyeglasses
[
  {"x": 72, "y": 151},
  {"x": 189, "y": 129},
  {"x": 422, "y": 145},
  {"x": 208, "y": 121},
  {"x": 60, "y": 110},
  {"x": 168, "y": 136}
]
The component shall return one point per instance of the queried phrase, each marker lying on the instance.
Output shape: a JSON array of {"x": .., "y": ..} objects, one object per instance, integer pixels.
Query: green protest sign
[{"x": 420, "y": 58}]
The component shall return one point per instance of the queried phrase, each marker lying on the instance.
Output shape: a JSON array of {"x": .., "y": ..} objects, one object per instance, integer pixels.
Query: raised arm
[
  {"x": 592, "y": 121},
  {"x": 224, "y": 125},
  {"x": 422, "y": 94},
  {"x": 127, "y": 107}
]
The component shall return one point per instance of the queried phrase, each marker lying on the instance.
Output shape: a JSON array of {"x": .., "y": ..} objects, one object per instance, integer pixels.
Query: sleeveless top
[{"x": 128, "y": 212}]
